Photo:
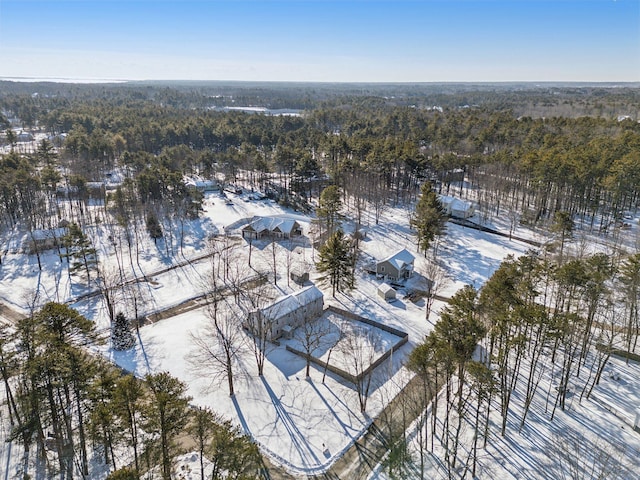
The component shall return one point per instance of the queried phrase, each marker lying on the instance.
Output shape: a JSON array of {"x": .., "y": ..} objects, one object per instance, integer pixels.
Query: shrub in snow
[
  {"x": 124, "y": 473},
  {"x": 121, "y": 336},
  {"x": 154, "y": 228}
]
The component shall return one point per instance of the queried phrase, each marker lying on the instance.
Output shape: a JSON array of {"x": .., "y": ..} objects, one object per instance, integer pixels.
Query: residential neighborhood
[{"x": 369, "y": 281}]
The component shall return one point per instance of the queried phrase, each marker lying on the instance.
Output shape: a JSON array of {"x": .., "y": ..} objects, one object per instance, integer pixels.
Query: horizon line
[{"x": 90, "y": 80}]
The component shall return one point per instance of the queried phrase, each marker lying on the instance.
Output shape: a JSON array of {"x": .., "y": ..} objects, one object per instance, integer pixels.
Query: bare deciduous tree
[
  {"x": 219, "y": 346},
  {"x": 437, "y": 280},
  {"x": 577, "y": 459},
  {"x": 311, "y": 335},
  {"x": 259, "y": 322},
  {"x": 109, "y": 278},
  {"x": 360, "y": 348}
]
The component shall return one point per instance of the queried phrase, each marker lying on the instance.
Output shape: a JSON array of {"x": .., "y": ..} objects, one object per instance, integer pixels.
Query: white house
[
  {"x": 397, "y": 267},
  {"x": 43, "y": 239},
  {"x": 455, "y": 207},
  {"x": 286, "y": 313},
  {"x": 200, "y": 184}
]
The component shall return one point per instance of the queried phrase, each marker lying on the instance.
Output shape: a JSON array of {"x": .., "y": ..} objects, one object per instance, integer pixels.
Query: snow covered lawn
[
  {"x": 337, "y": 341},
  {"x": 302, "y": 424}
]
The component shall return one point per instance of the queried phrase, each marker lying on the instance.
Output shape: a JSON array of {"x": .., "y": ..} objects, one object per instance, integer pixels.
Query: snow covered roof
[
  {"x": 43, "y": 234},
  {"x": 289, "y": 303},
  {"x": 198, "y": 182},
  {"x": 308, "y": 294},
  {"x": 453, "y": 203},
  {"x": 258, "y": 225},
  {"x": 272, "y": 224},
  {"x": 401, "y": 259},
  {"x": 385, "y": 287},
  {"x": 281, "y": 307},
  {"x": 284, "y": 226},
  {"x": 24, "y": 137}
]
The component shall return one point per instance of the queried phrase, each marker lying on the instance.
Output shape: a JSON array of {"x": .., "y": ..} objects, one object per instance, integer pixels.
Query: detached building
[
  {"x": 286, "y": 313},
  {"x": 299, "y": 276},
  {"x": 454, "y": 207},
  {"x": 43, "y": 239},
  {"x": 386, "y": 292}
]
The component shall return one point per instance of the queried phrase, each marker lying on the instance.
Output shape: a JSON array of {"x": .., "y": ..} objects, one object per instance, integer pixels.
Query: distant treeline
[
  {"x": 537, "y": 100},
  {"x": 377, "y": 148}
]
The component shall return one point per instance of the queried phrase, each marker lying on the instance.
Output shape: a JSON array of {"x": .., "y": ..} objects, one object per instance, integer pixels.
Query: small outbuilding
[
  {"x": 299, "y": 276},
  {"x": 386, "y": 292}
]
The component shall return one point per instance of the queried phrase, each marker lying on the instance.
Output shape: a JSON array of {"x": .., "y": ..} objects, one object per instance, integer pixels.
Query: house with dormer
[{"x": 275, "y": 227}]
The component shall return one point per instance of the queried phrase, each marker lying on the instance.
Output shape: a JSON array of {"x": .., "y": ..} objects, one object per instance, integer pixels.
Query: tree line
[
  {"x": 378, "y": 155},
  {"x": 540, "y": 315},
  {"x": 67, "y": 407}
]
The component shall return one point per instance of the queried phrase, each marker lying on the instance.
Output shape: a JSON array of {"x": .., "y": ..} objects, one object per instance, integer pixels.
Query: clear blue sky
[{"x": 321, "y": 40}]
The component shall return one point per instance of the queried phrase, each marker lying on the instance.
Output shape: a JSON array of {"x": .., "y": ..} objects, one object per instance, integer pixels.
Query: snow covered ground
[
  {"x": 592, "y": 438},
  {"x": 302, "y": 424},
  {"x": 335, "y": 349}
]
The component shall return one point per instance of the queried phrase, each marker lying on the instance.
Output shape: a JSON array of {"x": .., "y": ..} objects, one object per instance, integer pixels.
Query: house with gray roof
[
  {"x": 397, "y": 267},
  {"x": 286, "y": 313},
  {"x": 276, "y": 227}
]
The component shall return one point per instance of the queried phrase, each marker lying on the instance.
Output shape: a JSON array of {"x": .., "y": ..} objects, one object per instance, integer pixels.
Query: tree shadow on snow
[{"x": 298, "y": 440}]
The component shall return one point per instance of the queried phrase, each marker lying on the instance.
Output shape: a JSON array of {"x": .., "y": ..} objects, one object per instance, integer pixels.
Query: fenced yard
[{"x": 352, "y": 346}]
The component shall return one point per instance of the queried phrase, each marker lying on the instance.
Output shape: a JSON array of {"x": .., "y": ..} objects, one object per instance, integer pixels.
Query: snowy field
[
  {"x": 303, "y": 425},
  {"x": 21, "y": 278}
]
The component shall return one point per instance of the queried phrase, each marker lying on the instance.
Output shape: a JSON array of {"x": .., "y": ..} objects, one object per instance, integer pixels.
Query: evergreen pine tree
[
  {"x": 128, "y": 401},
  {"x": 429, "y": 220},
  {"x": 563, "y": 225},
  {"x": 165, "y": 416},
  {"x": 124, "y": 473},
  {"x": 201, "y": 429},
  {"x": 337, "y": 261},
  {"x": 329, "y": 206},
  {"x": 154, "y": 228},
  {"x": 80, "y": 253},
  {"x": 232, "y": 452},
  {"x": 629, "y": 280},
  {"x": 121, "y": 336}
]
